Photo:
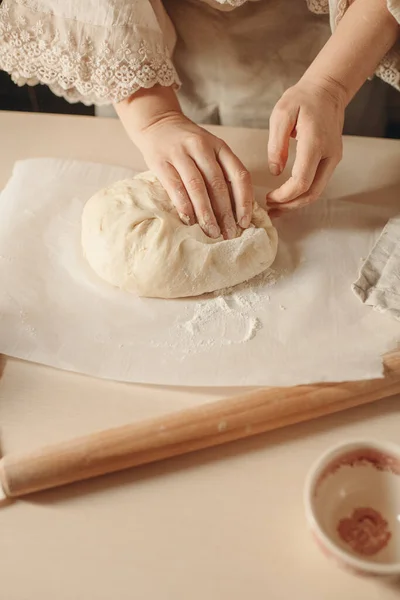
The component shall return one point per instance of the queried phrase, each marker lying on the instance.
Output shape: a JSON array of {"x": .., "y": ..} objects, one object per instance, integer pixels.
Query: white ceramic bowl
[{"x": 352, "y": 502}]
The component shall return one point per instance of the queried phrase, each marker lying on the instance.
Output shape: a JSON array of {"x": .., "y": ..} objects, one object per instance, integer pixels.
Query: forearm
[
  {"x": 146, "y": 107},
  {"x": 363, "y": 37}
]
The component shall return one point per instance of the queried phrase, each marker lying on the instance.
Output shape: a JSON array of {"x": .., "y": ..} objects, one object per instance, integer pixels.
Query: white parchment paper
[{"x": 298, "y": 324}]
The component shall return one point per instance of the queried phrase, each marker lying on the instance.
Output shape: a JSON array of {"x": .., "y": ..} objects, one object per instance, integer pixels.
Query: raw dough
[{"x": 133, "y": 238}]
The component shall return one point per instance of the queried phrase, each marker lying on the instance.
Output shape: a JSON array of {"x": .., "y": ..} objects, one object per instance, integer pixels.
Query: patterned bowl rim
[{"x": 358, "y": 564}]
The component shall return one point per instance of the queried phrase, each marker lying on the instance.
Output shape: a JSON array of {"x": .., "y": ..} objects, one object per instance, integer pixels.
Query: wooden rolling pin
[{"x": 186, "y": 431}]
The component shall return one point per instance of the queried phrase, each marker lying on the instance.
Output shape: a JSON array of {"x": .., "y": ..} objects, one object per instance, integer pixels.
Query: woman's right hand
[{"x": 205, "y": 180}]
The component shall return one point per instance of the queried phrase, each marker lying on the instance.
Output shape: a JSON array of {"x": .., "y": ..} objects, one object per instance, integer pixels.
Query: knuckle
[
  {"x": 243, "y": 176},
  {"x": 338, "y": 156},
  {"x": 281, "y": 104},
  {"x": 301, "y": 185},
  {"x": 159, "y": 165},
  {"x": 196, "y": 142},
  {"x": 178, "y": 189},
  {"x": 176, "y": 150},
  {"x": 281, "y": 108},
  {"x": 195, "y": 184},
  {"x": 226, "y": 216},
  {"x": 222, "y": 145},
  {"x": 318, "y": 146},
  {"x": 247, "y": 204},
  {"x": 288, "y": 93},
  {"x": 218, "y": 184},
  {"x": 318, "y": 139}
]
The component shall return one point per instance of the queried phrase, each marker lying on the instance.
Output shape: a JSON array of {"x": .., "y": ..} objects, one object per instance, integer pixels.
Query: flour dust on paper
[{"x": 221, "y": 319}]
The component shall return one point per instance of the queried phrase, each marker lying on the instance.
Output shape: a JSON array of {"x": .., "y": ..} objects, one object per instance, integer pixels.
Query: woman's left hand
[{"x": 313, "y": 114}]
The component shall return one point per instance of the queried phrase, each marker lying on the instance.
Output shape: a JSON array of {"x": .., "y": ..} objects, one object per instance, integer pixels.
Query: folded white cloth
[{"x": 379, "y": 282}]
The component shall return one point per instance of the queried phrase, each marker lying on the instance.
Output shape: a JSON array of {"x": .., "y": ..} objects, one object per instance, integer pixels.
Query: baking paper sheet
[{"x": 298, "y": 324}]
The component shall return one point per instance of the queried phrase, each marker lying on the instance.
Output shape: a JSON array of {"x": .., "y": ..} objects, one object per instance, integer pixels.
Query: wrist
[
  {"x": 362, "y": 38},
  {"x": 147, "y": 108},
  {"x": 329, "y": 86}
]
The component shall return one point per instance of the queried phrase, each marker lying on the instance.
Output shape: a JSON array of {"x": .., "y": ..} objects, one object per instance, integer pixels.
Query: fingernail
[
  {"x": 274, "y": 169},
  {"x": 185, "y": 219},
  {"x": 213, "y": 231},
  {"x": 231, "y": 233},
  {"x": 245, "y": 222}
]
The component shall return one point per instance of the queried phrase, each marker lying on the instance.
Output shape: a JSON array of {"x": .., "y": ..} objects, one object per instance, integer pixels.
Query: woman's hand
[
  {"x": 313, "y": 110},
  {"x": 313, "y": 114},
  {"x": 206, "y": 182},
  {"x": 200, "y": 174}
]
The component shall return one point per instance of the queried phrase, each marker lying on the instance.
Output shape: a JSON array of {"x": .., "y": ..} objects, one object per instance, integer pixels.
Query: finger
[
  {"x": 198, "y": 195},
  {"x": 324, "y": 172},
  {"x": 323, "y": 175},
  {"x": 240, "y": 180},
  {"x": 218, "y": 192},
  {"x": 282, "y": 124},
  {"x": 308, "y": 157},
  {"x": 173, "y": 185}
]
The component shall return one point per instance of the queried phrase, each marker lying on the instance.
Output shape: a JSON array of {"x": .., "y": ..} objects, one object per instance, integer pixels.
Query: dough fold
[{"x": 133, "y": 238}]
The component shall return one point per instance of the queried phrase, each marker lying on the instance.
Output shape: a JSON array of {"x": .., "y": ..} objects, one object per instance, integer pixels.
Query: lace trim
[
  {"x": 234, "y": 3},
  {"x": 389, "y": 69},
  {"x": 341, "y": 8},
  {"x": 394, "y": 8},
  {"x": 87, "y": 72},
  {"x": 319, "y": 7}
]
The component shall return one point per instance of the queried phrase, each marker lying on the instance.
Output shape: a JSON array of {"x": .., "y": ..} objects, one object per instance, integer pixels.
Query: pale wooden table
[{"x": 225, "y": 524}]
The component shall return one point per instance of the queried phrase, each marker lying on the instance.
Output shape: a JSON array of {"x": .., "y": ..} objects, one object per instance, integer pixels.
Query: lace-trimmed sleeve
[
  {"x": 95, "y": 51},
  {"x": 389, "y": 68}
]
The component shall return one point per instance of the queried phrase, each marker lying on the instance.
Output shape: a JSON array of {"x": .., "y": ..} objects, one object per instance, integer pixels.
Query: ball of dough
[{"x": 133, "y": 238}]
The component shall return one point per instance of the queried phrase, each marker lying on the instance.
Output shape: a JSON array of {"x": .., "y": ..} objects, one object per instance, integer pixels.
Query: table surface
[{"x": 223, "y": 524}]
